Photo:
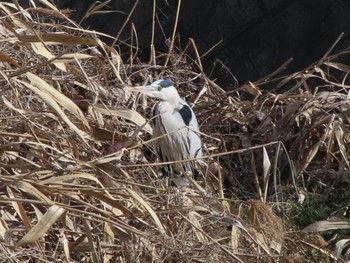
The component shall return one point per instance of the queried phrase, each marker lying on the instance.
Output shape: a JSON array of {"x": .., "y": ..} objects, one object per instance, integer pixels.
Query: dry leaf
[{"x": 37, "y": 231}]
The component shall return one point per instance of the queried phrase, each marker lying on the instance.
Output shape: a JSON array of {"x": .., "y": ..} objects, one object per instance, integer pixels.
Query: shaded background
[{"x": 256, "y": 36}]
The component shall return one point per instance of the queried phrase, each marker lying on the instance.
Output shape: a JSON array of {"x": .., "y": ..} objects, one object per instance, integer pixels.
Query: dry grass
[{"x": 63, "y": 199}]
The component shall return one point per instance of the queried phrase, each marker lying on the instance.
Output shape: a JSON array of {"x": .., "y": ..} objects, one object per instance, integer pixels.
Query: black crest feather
[{"x": 166, "y": 83}]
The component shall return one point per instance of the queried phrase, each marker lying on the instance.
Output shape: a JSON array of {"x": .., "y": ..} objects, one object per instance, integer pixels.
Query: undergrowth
[{"x": 79, "y": 180}]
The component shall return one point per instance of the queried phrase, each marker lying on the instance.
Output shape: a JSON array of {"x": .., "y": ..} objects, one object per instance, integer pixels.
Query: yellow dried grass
[{"x": 59, "y": 193}]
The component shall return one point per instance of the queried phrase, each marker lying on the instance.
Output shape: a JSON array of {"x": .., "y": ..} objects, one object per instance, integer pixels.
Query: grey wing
[
  {"x": 193, "y": 137},
  {"x": 181, "y": 140},
  {"x": 159, "y": 130}
]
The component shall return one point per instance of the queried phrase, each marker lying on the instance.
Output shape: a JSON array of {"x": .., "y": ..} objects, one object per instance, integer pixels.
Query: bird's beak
[{"x": 147, "y": 90}]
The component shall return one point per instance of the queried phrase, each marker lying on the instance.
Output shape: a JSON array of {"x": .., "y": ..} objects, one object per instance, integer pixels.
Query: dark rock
[{"x": 257, "y": 35}]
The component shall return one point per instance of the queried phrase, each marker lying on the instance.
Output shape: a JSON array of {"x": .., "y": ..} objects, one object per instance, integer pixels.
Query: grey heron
[{"x": 175, "y": 127}]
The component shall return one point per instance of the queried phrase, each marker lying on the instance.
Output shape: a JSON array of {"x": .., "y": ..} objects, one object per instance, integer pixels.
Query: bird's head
[{"x": 162, "y": 89}]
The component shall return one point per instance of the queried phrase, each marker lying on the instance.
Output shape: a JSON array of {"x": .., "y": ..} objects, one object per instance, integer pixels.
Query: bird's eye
[{"x": 159, "y": 88}]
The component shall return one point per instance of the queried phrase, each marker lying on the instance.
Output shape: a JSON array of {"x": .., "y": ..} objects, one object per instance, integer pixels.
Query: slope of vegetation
[{"x": 79, "y": 181}]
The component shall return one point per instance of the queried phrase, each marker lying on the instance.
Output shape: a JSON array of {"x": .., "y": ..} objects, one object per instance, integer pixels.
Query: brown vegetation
[{"x": 62, "y": 198}]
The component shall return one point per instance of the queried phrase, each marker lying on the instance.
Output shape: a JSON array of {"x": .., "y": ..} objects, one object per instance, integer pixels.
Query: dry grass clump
[{"x": 79, "y": 180}]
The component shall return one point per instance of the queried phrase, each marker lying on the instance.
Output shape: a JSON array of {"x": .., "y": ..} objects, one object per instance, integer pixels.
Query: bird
[{"x": 175, "y": 127}]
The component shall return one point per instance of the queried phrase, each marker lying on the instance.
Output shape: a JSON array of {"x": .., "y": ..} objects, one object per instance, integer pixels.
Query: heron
[{"x": 175, "y": 127}]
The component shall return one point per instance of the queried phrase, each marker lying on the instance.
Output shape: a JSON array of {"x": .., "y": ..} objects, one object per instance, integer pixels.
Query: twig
[
  {"x": 125, "y": 22},
  {"x": 171, "y": 47},
  {"x": 213, "y": 240},
  {"x": 152, "y": 51},
  {"x": 330, "y": 50}
]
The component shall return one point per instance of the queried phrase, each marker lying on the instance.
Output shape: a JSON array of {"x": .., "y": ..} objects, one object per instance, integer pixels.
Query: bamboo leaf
[
  {"x": 60, "y": 98},
  {"x": 130, "y": 115},
  {"x": 193, "y": 217},
  {"x": 55, "y": 107},
  {"x": 327, "y": 225},
  {"x": 149, "y": 209},
  {"x": 266, "y": 167},
  {"x": 37, "y": 231}
]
